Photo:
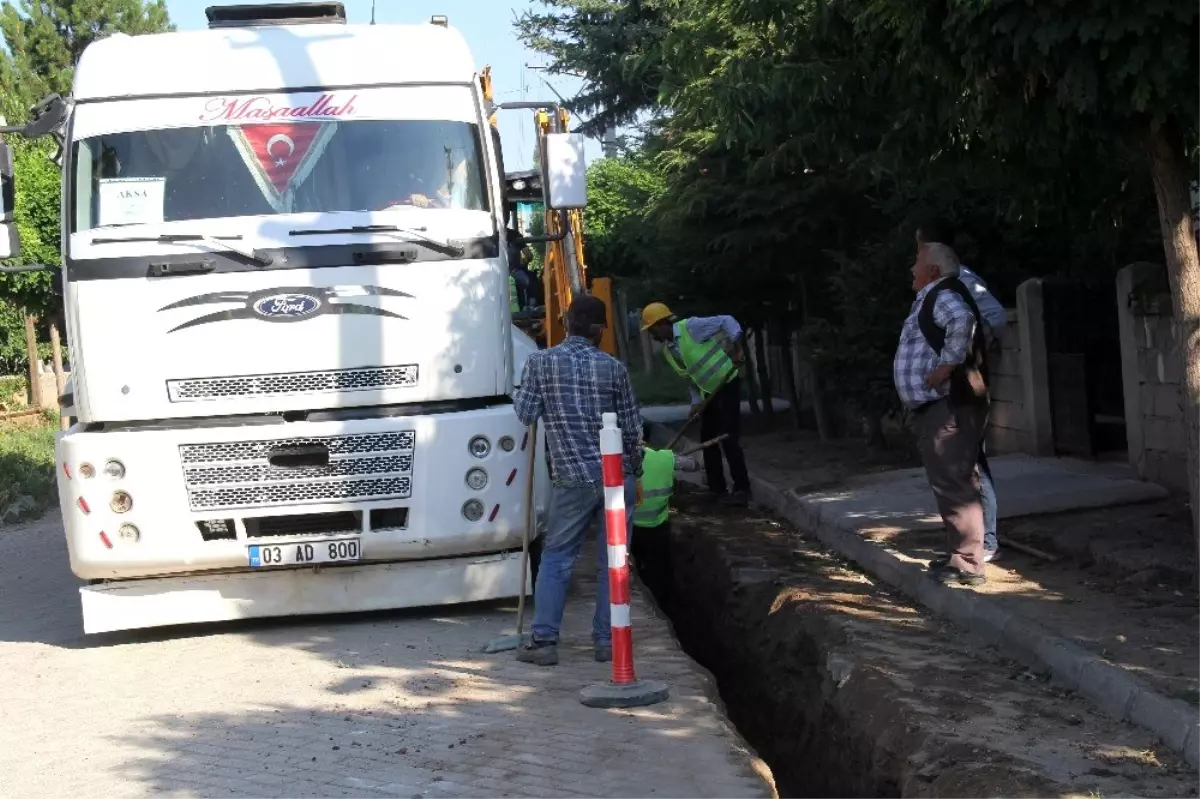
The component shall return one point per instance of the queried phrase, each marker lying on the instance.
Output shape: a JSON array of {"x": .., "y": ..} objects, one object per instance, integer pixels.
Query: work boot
[
  {"x": 539, "y": 653},
  {"x": 603, "y": 653},
  {"x": 951, "y": 574}
]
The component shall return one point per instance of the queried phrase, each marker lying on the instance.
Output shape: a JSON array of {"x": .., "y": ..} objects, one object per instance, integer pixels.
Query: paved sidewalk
[
  {"x": 868, "y": 518},
  {"x": 386, "y": 704}
]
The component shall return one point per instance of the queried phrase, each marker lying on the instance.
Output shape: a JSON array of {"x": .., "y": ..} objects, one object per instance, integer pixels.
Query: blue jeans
[
  {"x": 572, "y": 511},
  {"x": 987, "y": 498}
]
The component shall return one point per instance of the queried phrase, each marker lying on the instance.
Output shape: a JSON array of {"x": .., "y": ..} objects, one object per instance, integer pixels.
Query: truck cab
[{"x": 285, "y": 291}]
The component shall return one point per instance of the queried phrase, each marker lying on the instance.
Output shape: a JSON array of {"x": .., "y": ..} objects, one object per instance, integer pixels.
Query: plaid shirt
[
  {"x": 915, "y": 359},
  {"x": 569, "y": 386}
]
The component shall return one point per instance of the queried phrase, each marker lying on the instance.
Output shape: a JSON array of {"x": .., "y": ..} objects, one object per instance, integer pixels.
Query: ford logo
[{"x": 287, "y": 307}]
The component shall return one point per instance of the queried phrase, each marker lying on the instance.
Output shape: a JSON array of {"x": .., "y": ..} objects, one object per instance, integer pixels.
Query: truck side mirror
[
  {"x": 564, "y": 170},
  {"x": 10, "y": 241}
]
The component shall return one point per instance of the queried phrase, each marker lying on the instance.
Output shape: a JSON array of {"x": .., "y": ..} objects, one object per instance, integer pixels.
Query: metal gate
[{"x": 1083, "y": 344}]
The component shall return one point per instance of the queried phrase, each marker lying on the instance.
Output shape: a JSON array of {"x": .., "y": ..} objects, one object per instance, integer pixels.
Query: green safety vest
[
  {"x": 658, "y": 478},
  {"x": 514, "y": 301},
  {"x": 705, "y": 363}
]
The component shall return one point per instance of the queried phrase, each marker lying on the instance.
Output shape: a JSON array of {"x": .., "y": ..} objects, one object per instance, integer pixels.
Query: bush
[
  {"x": 661, "y": 387},
  {"x": 27, "y": 467}
]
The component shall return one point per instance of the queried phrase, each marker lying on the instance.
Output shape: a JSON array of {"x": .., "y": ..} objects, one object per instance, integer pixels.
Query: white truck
[{"x": 285, "y": 292}]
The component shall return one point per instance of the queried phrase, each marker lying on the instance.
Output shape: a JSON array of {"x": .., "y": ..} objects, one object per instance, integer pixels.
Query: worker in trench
[
  {"x": 651, "y": 545},
  {"x": 568, "y": 388},
  {"x": 707, "y": 352}
]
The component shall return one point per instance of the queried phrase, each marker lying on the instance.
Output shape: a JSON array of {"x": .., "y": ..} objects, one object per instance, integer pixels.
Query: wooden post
[
  {"x": 751, "y": 375},
  {"x": 60, "y": 379},
  {"x": 764, "y": 377},
  {"x": 788, "y": 368},
  {"x": 647, "y": 353},
  {"x": 35, "y": 382},
  {"x": 622, "y": 325}
]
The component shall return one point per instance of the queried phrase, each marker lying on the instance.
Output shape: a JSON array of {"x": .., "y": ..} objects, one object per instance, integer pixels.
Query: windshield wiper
[
  {"x": 220, "y": 242},
  {"x": 409, "y": 236}
]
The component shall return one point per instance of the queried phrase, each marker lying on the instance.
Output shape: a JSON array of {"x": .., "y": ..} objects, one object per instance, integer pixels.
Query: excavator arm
[{"x": 564, "y": 272}]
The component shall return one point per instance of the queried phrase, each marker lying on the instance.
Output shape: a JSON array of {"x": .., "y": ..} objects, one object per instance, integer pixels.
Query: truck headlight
[
  {"x": 121, "y": 502},
  {"x": 480, "y": 447},
  {"x": 477, "y": 479},
  {"x": 472, "y": 510}
]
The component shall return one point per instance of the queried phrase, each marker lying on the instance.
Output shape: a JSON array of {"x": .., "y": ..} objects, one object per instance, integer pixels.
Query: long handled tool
[
  {"x": 691, "y": 420},
  {"x": 706, "y": 444},
  {"x": 507, "y": 643}
]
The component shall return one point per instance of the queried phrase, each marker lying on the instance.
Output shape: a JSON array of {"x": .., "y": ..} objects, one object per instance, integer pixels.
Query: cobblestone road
[{"x": 398, "y": 704}]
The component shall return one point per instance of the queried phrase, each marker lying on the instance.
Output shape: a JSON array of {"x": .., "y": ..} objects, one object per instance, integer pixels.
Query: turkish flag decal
[{"x": 281, "y": 149}]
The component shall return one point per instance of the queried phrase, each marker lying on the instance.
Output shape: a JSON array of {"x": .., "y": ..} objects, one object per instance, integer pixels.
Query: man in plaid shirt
[
  {"x": 950, "y": 424},
  {"x": 569, "y": 387}
]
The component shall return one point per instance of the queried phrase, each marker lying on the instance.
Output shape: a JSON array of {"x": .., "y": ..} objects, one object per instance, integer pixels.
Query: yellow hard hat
[{"x": 654, "y": 313}]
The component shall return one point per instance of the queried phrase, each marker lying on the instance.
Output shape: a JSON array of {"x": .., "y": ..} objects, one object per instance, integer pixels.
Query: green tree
[
  {"x": 43, "y": 41},
  {"x": 614, "y": 43},
  {"x": 45, "y": 38},
  {"x": 619, "y": 189},
  {"x": 802, "y": 140}
]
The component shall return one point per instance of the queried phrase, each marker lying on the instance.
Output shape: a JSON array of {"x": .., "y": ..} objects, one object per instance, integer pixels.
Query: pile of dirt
[{"x": 847, "y": 690}]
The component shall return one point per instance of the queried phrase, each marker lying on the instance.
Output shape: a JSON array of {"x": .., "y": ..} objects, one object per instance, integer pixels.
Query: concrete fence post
[
  {"x": 1035, "y": 372},
  {"x": 1135, "y": 438}
]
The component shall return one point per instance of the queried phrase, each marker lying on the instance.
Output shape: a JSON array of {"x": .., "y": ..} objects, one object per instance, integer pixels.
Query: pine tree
[{"x": 44, "y": 39}]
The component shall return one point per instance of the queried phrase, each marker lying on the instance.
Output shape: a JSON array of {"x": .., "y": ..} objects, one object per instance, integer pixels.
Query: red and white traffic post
[{"x": 624, "y": 689}]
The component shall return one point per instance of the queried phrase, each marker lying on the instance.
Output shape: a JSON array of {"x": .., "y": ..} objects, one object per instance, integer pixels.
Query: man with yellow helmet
[{"x": 707, "y": 352}]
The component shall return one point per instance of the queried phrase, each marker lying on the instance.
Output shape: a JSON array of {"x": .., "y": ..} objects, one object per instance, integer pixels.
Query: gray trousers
[{"x": 948, "y": 440}]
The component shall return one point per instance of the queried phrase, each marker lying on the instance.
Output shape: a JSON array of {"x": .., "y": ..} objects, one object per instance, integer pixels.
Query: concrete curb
[{"x": 1109, "y": 687}]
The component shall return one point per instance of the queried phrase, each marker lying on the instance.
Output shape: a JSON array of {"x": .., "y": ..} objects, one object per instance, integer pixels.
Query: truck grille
[
  {"x": 239, "y": 474},
  {"x": 209, "y": 388}
]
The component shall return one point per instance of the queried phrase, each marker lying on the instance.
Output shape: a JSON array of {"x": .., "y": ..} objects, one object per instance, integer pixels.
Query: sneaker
[
  {"x": 539, "y": 653},
  {"x": 992, "y": 554},
  {"x": 951, "y": 574},
  {"x": 603, "y": 653}
]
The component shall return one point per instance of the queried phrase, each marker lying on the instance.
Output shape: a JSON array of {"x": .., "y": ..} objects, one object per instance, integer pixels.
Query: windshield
[{"x": 179, "y": 174}]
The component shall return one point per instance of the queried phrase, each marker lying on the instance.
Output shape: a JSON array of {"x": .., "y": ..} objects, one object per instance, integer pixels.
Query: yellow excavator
[{"x": 564, "y": 273}]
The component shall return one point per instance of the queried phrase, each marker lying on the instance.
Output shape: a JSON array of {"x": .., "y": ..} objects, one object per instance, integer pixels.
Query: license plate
[{"x": 303, "y": 553}]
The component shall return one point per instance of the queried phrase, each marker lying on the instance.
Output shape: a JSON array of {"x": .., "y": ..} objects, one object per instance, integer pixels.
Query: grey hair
[{"x": 943, "y": 257}]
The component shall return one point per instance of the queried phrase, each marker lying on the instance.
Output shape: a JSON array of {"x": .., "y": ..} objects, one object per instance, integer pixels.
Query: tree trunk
[
  {"x": 820, "y": 411},
  {"x": 790, "y": 393},
  {"x": 764, "y": 377},
  {"x": 751, "y": 380},
  {"x": 35, "y": 377},
  {"x": 621, "y": 324},
  {"x": 1170, "y": 169},
  {"x": 60, "y": 378}
]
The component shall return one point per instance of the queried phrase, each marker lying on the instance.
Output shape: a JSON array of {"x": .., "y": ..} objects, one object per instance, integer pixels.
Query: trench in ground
[
  {"x": 844, "y": 689},
  {"x": 769, "y": 674}
]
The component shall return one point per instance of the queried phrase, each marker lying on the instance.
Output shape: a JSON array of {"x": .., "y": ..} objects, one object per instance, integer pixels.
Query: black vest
[{"x": 969, "y": 380}]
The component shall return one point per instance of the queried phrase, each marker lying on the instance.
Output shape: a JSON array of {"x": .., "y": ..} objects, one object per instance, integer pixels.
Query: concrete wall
[
  {"x": 1152, "y": 374},
  {"x": 49, "y": 392},
  {"x": 1009, "y": 428}
]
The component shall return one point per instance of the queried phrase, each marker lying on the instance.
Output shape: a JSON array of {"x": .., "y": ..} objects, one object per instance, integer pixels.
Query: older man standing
[
  {"x": 940, "y": 372},
  {"x": 569, "y": 387},
  {"x": 995, "y": 320}
]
